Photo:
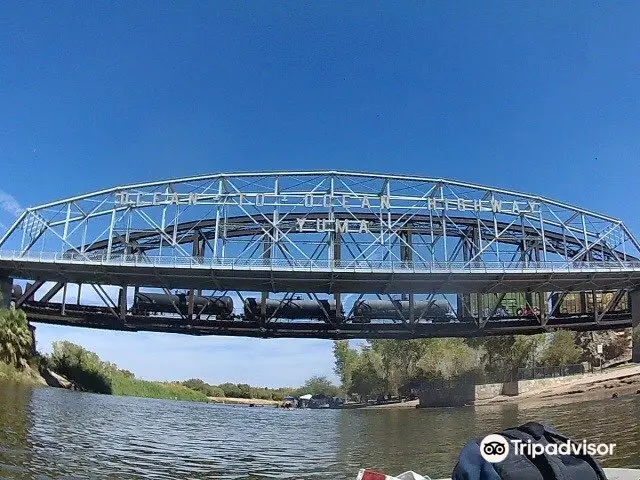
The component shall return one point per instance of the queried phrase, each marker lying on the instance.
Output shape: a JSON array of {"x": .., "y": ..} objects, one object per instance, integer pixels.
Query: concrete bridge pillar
[
  {"x": 635, "y": 322},
  {"x": 6, "y": 287}
]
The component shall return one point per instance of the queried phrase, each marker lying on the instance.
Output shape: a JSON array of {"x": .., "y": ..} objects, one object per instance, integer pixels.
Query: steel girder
[{"x": 368, "y": 223}]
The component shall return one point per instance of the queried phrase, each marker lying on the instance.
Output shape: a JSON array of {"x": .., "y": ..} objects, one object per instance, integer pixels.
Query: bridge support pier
[
  {"x": 635, "y": 329},
  {"x": 6, "y": 290},
  {"x": 32, "y": 329}
]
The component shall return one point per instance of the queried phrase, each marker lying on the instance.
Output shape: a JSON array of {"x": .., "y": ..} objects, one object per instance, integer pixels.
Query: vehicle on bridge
[
  {"x": 291, "y": 309},
  {"x": 154, "y": 303},
  {"x": 437, "y": 310}
]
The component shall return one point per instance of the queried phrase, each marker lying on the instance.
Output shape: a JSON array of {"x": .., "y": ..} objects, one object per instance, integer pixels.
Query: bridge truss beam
[{"x": 323, "y": 233}]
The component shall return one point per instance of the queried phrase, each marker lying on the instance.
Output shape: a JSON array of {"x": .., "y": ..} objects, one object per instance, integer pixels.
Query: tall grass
[
  {"x": 134, "y": 387},
  {"x": 90, "y": 373}
]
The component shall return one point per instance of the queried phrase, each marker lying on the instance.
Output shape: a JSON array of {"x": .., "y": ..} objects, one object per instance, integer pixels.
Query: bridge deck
[
  {"x": 323, "y": 276},
  {"x": 97, "y": 317}
]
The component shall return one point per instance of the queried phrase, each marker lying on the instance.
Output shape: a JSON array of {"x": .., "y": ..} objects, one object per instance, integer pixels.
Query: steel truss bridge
[{"x": 311, "y": 250}]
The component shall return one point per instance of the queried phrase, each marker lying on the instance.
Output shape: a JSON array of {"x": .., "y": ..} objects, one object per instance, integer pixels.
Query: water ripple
[{"x": 50, "y": 433}]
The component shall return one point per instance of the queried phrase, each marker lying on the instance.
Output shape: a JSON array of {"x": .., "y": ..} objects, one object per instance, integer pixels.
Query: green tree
[
  {"x": 279, "y": 393},
  {"x": 215, "y": 391},
  {"x": 82, "y": 367},
  {"x": 368, "y": 375},
  {"x": 346, "y": 359},
  {"x": 399, "y": 360},
  {"x": 245, "y": 390},
  {"x": 203, "y": 387},
  {"x": 15, "y": 337},
  {"x": 561, "y": 350},
  {"x": 504, "y": 354},
  {"x": 230, "y": 390},
  {"x": 446, "y": 358},
  {"x": 318, "y": 385}
]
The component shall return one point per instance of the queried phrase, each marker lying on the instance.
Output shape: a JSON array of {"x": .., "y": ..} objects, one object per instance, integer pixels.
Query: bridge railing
[{"x": 314, "y": 264}]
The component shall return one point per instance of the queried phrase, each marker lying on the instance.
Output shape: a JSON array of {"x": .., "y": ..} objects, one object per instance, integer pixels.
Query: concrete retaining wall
[
  {"x": 447, "y": 393},
  {"x": 489, "y": 390},
  {"x": 464, "y": 391},
  {"x": 525, "y": 386}
]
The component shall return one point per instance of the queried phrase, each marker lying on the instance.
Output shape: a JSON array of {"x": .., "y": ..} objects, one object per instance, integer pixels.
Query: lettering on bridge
[{"x": 308, "y": 200}]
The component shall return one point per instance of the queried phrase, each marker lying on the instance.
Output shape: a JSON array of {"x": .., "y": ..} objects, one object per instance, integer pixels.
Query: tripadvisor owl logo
[{"x": 494, "y": 448}]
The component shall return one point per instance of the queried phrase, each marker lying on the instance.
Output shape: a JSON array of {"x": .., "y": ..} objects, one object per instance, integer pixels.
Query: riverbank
[
  {"x": 619, "y": 382},
  {"x": 244, "y": 401},
  {"x": 407, "y": 404},
  {"x": 26, "y": 376},
  {"x": 119, "y": 385}
]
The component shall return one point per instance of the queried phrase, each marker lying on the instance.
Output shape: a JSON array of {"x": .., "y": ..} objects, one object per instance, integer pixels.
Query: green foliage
[
  {"x": 89, "y": 372},
  {"x": 279, "y": 393},
  {"x": 15, "y": 337},
  {"x": 561, "y": 350},
  {"x": 384, "y": 367},
  {"x": 81, "y": 366},
  {"x": 318, "y": 385},
  {"x": 345, "y": 361},
  {"x": 368, "y": 375},
  {"x": 244, "y": 390},
  {"x": 399, "y": 360},
  {"x": 231, "y": 390},
  {"x": 134, "y": 387},
  {"x": 446, "y": 358},
  {"x": 24, "y": 376},
  {"x": 506, "y": 353},
  {"x": 203, "y": 387}
]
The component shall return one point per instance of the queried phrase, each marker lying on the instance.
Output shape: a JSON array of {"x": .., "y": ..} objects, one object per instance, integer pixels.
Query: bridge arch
[
  {"x": 302, "y": 216},
  {"x": 326, "y": 233}
]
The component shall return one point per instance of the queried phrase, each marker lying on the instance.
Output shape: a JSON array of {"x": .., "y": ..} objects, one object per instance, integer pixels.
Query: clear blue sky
[{"x": 535, "y": 97}]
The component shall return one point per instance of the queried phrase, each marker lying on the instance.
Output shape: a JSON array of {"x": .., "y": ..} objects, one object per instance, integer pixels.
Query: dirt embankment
[{"x": 616, "y": 383}]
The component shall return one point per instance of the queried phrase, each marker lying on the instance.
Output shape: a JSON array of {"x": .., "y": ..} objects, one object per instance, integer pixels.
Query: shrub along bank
[
  {"x": 17, "y": 363},
  {"x": 88, "y": 372},
  {"x": 239, "y": 390}
]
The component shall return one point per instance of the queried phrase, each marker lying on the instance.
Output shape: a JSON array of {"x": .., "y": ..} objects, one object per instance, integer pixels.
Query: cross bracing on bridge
[{"x": 321, "y": 233}]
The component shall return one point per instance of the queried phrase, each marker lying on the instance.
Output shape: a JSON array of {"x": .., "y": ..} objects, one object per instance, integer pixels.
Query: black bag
[{"x": 472, "y": 466}]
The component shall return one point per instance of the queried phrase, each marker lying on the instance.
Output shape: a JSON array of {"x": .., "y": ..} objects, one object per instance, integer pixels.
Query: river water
[{"x": 48, "y": 433}]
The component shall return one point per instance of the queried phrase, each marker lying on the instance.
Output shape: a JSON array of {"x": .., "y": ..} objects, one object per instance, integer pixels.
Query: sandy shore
[
  {"x": 243, "y": 401},
  {"x": 407, "y": 404},
  {"x": 622, "y": 381}
]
